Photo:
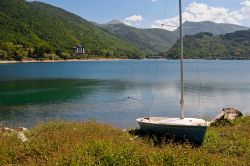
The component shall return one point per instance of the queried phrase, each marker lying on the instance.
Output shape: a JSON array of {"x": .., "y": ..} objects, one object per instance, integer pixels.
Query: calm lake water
[{"x": 118, "y": 92}]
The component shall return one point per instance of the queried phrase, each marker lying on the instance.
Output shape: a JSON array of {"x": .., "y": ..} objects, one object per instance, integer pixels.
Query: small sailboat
[{"x": 192, "y": 129}]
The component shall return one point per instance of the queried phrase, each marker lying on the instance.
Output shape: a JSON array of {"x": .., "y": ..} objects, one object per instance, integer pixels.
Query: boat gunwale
[{"x": 206, "y": 124}]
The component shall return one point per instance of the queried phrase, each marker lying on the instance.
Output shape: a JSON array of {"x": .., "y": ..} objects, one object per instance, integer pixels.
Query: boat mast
[{"x": 181, "y": 61}]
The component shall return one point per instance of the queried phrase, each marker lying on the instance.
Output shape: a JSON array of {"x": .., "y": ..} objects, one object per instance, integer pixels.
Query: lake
[{"x": 118, "y": 92}]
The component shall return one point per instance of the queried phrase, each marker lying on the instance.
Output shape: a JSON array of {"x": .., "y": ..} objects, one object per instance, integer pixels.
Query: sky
[{"x": 154, "y": 13}]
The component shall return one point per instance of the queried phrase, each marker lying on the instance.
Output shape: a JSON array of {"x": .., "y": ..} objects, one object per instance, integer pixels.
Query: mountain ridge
[
  {"x": 211, "y": 27},
  {"x": 151, "y": 40},
  {"x": 157, "y": 41}
]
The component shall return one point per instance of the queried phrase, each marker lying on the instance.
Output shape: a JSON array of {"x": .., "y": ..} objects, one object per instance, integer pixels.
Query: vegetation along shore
[
  {"x": 92, "y": 143},
  {"x": 62, "y": 60}
]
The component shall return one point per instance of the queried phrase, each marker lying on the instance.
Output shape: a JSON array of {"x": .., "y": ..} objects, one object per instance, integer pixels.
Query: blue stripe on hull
[{"x": 192, "y": 133}]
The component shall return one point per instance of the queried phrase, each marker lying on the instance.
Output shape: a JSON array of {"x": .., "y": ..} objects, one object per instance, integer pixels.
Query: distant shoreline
[
  {"x": 54, "y": 61},
  {"x": 89, "y": 60}
]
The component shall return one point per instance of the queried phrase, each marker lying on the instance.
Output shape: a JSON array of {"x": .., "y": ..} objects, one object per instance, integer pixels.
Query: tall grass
[{"x": 92, "y": 143}]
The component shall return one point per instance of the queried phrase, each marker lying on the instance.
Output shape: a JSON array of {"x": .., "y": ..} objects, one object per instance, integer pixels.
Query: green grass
[{"x": 92, "y": 143}]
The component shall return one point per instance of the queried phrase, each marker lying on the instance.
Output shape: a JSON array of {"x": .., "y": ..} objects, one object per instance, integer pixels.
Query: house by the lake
[{"x": 79, "y": 49}]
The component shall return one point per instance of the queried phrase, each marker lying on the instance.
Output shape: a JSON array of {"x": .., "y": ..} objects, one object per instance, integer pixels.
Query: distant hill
[
  {"x": 206, "y": 45},
  {"x": 211, "y": 27},
  {"x": 157, "y": 41},
  {"x": 35, "y": 29},
  {"x": 152, "y": 41}
]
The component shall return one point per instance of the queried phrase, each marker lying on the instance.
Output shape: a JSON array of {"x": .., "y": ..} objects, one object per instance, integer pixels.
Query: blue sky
[{"x": 151, "y": 13}]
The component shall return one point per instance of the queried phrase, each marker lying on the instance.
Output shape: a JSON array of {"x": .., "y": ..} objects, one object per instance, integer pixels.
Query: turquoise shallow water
[{"x": 118, "y": 92}]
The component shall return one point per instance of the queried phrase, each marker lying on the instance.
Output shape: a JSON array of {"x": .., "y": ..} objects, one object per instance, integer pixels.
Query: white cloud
[
  {"x": 245, "y": 3},
  {"x": 133, "y": 20},
  {"x": 154, "y": 0},
  {"x": 245, "y": 10},
  {"x": 197, "y": 12}
]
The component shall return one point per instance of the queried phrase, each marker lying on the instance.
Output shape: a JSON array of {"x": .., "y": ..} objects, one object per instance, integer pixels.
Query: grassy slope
[{"x": 90, "y": 143}]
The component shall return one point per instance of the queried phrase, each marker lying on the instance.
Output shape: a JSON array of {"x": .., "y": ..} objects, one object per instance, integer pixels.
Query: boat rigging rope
[
  {"x": 165, "y": 4},
  {"x": 152, "y": 90},
  {"x": 200, "y": 110}
]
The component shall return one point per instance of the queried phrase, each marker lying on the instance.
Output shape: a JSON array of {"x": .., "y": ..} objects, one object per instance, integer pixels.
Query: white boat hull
[{"x": 191, "y": 129}]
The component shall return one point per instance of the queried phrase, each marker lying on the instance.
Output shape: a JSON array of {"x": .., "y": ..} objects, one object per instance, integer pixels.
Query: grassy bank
[{"x": 91, "y": 143}]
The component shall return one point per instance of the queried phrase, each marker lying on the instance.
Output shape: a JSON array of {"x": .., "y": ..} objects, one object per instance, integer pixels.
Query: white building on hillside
[{"x": 79, "y": 49}]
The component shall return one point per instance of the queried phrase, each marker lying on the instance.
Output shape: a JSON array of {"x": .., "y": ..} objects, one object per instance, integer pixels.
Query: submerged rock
[{"x": 227, "y": 115}]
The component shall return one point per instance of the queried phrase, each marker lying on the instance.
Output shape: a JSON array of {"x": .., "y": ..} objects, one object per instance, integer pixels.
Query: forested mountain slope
[
  {"x": 206, "y": 45},
  {"x": 35, "y": 29}
]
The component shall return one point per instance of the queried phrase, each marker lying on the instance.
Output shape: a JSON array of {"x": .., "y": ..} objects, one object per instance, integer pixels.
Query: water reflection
[
  {"x": 115, "y": 93},
  {"x": 27, "y": 102},
  {"x": 25, "y": 92}
]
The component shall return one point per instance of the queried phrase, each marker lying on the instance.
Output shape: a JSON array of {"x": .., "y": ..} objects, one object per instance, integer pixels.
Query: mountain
[
  {"x": 152, "y": 41},
  {"x": 206, "y": 45},
  {"x": 211, "y": 27},
  {"x": 157, "y": 41},
  {"x": 38, "y": 30}
]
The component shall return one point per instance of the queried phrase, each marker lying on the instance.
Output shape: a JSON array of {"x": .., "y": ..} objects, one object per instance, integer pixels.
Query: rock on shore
[
  {"x": 18, "y": 131},
  {"x": 228, "y": 114}
]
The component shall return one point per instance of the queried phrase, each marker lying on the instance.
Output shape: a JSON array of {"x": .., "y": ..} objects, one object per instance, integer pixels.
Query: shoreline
[
  {"x": 54, "y": 61},
  {"x": 93, "y": 60}
]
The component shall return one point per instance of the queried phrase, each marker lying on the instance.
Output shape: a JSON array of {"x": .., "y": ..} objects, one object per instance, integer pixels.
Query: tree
[
  {"x": 39, "y": 52},
  {"x": 3, "y": 55},
  {"x": 30, "y": 54},
  {"x": 17, "y": 56},
  {"x": 59, "y": 52}
]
